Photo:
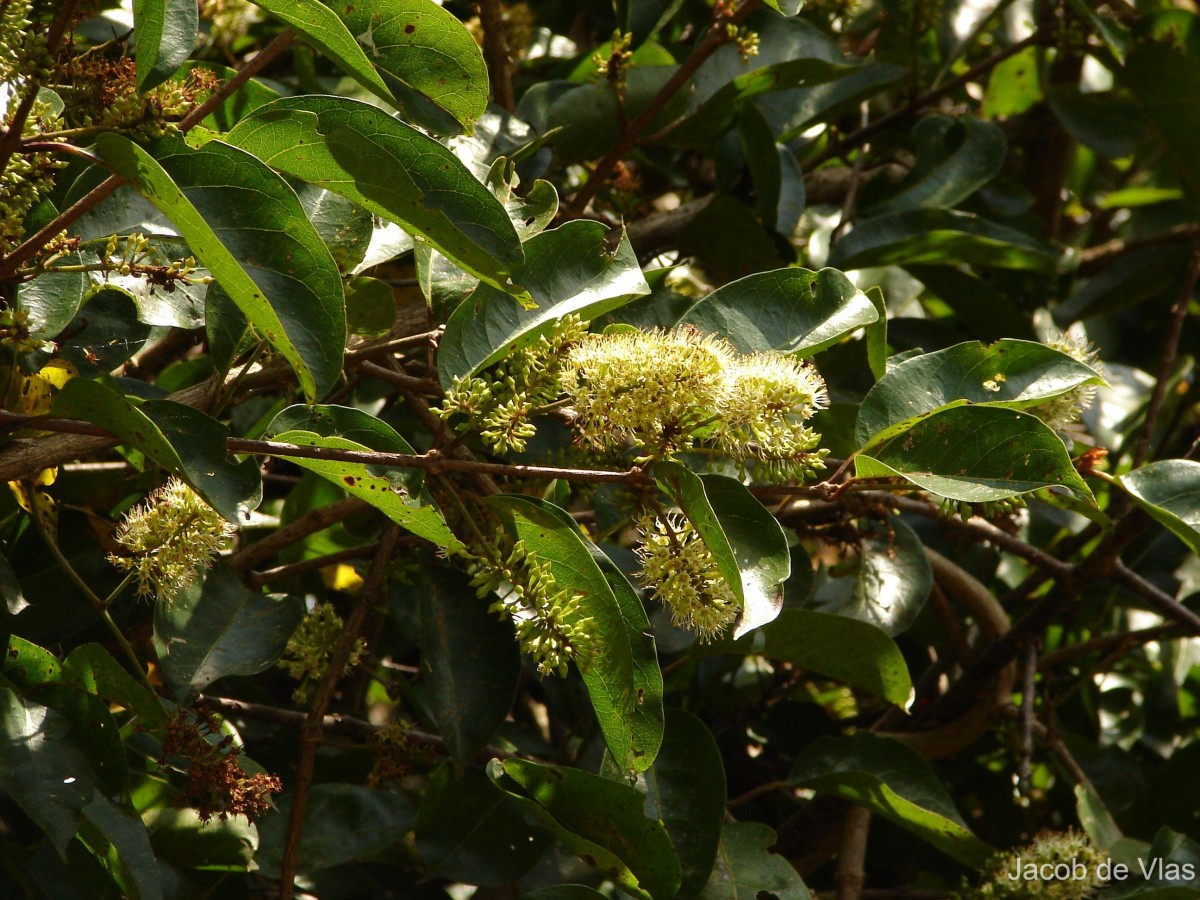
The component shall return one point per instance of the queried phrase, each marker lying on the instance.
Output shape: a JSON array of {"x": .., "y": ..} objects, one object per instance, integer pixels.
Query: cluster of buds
[
  {"x": 102, "y": 93},
  {"x": 614, "y": 67},
  {"x": 550, "y": 624},
  {"x": 310, "y": 648},
  {"x": 746, "y": 40},
  {"x": 27, "y": 177},
  {"x": 133, "y": 255},
  {"x": 169, "y": 539},
  {"x": 680, "y": 570},
  {"x": 988, "y": 509},
  {"x": 229, "y": 20},
  {"x": 1065, "y": 410},
  {"x": 217, "y": 783},
  {"x": 500, "y": 407},
  {"x": 1069, "y": 852},
  {"x": 664, "y": 392}
]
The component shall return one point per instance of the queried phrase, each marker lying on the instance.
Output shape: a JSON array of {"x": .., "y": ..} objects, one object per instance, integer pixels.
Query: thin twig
[
  {"x": 1028, "y": 716},
  {"x": 853, "y": 853},
  {"x": 495, "y": 52},
  {"x": 310, "y": 523},
  {"x": 279, "y": 573}
]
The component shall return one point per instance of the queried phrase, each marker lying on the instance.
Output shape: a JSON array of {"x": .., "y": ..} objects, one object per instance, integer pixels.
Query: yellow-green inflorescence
[
  {"x": 549, "y": 621},
  {"x": 170, "y": 539},
  {"x": 1070, "y": 853},
  {"x": 680, "y": 570},
  {"x": 309, "y": 649},
  {"x": 664, "y": 392},
  {"x": 1065, "y": 410}
]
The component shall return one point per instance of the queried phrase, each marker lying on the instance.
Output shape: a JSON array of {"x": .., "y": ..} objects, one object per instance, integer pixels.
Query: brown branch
[
  {"x": 1168, "y": 355},
  {"x": 850, "y": 872},
  {"x": 279, "y": 573},
  {"x": 33, "y": 245},
  {"x": 713, "y": 40},
  {"x": 495, "y": 52},
  {"x": 1106, "y": 643},
  {"x": 311, "y": 731},
  {"x": 1028, "y": 717},
  {"x": 310, "y": 523},
  {"x": 1092, "y": 260}
]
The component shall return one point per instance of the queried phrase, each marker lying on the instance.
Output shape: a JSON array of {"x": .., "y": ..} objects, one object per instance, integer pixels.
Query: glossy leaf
[
  {"x": 789, "y": 310},
  {"x": 93, "y": 669},
  {"x": 247, "y": 227},
  {"x": 1009, "y": 373},
  {"x": 1169, "y": 490},
  {"x": 623, "y": 680},
  {"x": 893, "y": 781},
  {"x": 685, "y": 790},
  {"x": 975, "y": 454},
  {"x": 576, "y": 268},
  {"x": 164, "y": 35},
  {"x": 746, "y": 869},
  {"x": 40, "y": 768},
  {"x": 220, "y": 628},
  {"x": 891, "y": 581},
  {"x": 391, "y": 169},
  {"x": 121, "y": 844},
  {"x": 469, "y": 830},
  {"x": 181, "y": 439},
  {"x": 598, "y": 819},
  {"x": 746, "y": 541},
  {"x": 943, "y": 236},
  {"x": 469, "y": 659},
  {"x": 397, "y": 492}
]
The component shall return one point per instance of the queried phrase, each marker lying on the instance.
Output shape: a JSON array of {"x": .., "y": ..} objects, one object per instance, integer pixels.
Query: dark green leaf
[
  {"x": 573, "y": 269},
  {"x": 685, "y": 790},
  {"x": 121, "y": 844},
  {"x": 789, "y": 310},
  {"x": 787, "y": 7},
  {"x": 470, "y": 661},
  {"x": 564, "y": 892},
  {"x": 104, "y": 333},
  {"x": 942, "y": 236},
  {"x": 41, "y": 769},
  {"x": 747, "y": 870},
  {"x": 876, "y": 334},
  {"x": 164, "y": 35},
  {"x": 625, "y": 687},
  {"x": 391, "y": 169},
  {"x": 343, "y": 225},
  {"x": 598, "y": 819},
  {"x": 894, "y": 781},
  {"x": 94, "y": 732},
  {"x": 181, "y": 839},
  {"x": 892, "y": 581},
  {"x": 50, "y": 301},
  {"x": 396, "y": 492},
  {"x": 370, "y": 306},
  {"x": 745, "y": 539},
  {"x": 247, "y": 227},
  {"x": 1104, "y": 121},
  {"x": 1013, "y": 374},
  {"x": 976, "y": 454},
  {"x": 92, "y": 668},
  {"x": 1169, "y": 490},
  {"x": 179, "y": 438},
  {"x": 221, "y": 628},
  {"x": 469, "y": 830}
]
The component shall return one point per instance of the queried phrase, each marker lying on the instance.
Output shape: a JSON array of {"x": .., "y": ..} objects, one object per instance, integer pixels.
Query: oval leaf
[
  {"x": 391, "y": 169},
  {"x": 746, "y": 868},
  {"x": 1169, "y": 490},
  {"x": 164, "y": 36},
  {"x": 247, "y": 227}
]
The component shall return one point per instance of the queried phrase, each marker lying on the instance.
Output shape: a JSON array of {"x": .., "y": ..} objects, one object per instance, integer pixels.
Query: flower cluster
[
  {"x": 550, "y": 624},
  {"x": 309, "y": 649},
  {"x": 682, "y": 572},
  {"x": 664, "y": 392},
  {"x": 27, "y": 177},
  {"x": 1064, "y": 410},
  {"x": 170, "y": 539},
  {"x": 1071, "y": 849},
  {"x": 500, "y": 407}
]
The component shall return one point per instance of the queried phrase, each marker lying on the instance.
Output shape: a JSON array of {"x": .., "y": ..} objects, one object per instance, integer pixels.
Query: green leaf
[
  {"x": 623, "y": 680},
  {"x": 893, "y": 781},
  {"x": 955, "y": 157},
  {"x": 27, "y": 665},
  {"x": 1009, "y": 373},
  {"x": 747, "y": 870},
  {"x": 94, "y": 733},
  {"x": 469, "y": 659},
  {"x": 319, "y": 25},
  {"x": 51, "y": 300},
  {"x": 121, "y": 844},
  {"x": 92, "y": 668},
  {"x": 943, "y": 236},
  {"x": 891, "y": 581},
  {"x": 1169, "y": 490},
  {"x": 396, "y": 492},
  {"x": 164, "y": 37},
  {"x": 221, "y": 628},
  {"x": 343, "y": 823},
  {"x": 181, "y": 439},
  {"x": 787, "y": 7},
  {"x": 573, "y": 269},
  {"x": 181, "y": 839},
  {"x": 976, "y": 454},
  {"x": 788, "y": 310},
  {"x": 876, "y": 334},
  {"x": 685, "y": 790},
  {"x": 1015, "y": 85},
  {"x": 747, "y": 542},
  {"x": 247, "y": 227},
  {"x": 598, "y": 819},
  {"x": 424, "y": 54},
  {"x": 469, "y": 830},
  {"x": 564, "y": 892},
  {"x": 40, "y": 768},
  {"x": 343, "y": 225},
  {"x": 391, "y": 169},
  {"x": 853, "y": 652}
]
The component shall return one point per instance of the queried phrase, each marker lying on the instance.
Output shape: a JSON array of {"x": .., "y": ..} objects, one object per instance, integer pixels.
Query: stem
[{"x": 495, "y": 52}]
